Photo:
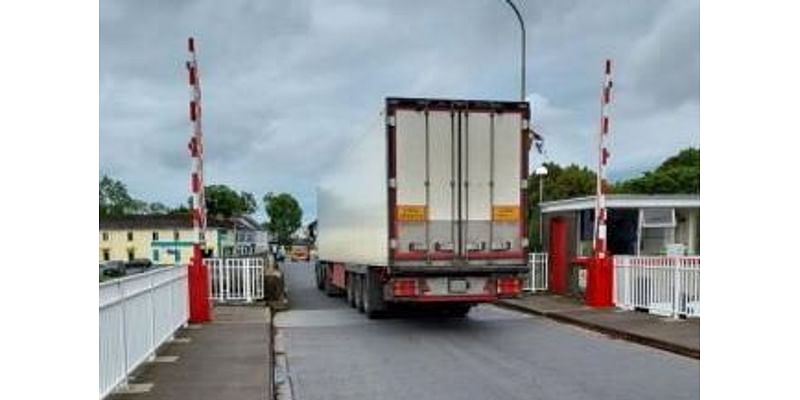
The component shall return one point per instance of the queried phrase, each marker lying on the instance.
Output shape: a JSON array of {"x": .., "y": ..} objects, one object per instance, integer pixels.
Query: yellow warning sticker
[
  {"x": 505, "y": 213},
  {"x": 412, "y": 213}
]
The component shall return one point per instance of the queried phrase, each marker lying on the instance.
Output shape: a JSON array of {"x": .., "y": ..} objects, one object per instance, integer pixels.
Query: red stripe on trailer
[
  {"x": 607, "y": 94},
  {"x": 192, "y": 75},
  {"x": 608, "y": 67},
  {"x": 606, "y": 155},
  {"x": 191, "y": 44},
  {"x": 605, "y": 125}
]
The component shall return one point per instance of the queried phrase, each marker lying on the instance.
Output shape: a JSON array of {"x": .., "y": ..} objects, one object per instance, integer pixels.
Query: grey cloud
[{"x": 288, "y": 84}]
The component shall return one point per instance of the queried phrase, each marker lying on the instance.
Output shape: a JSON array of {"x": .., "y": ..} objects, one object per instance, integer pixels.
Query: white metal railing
[
  {"x": 537, "y": 279},
  {"x": 236, "y": 279},
  {"x": 663, "y": 285},
  {"x": 137, "y": 314}
]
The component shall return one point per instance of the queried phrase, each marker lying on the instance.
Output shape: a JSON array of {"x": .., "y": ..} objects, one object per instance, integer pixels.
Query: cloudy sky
[{"x": 287, "y": 84}]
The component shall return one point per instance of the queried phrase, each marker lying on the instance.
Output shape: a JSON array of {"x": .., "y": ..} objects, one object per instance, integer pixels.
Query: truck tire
[
  {"x": 318, "y": 276},
  {"x": 358, "y": 292},
  {"x": 330, "y": 290},
  {"x": 351, "y": 298},
  {"x": 373, "y": 303}
]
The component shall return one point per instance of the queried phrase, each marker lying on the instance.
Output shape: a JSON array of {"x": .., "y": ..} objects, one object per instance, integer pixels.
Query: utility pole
[{"x": 522, "y": 69}]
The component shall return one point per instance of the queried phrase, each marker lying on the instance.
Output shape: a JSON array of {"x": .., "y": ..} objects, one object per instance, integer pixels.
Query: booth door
[{"x": 558, "y": 255}]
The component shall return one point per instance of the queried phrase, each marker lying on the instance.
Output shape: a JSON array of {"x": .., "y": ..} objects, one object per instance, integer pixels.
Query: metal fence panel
[
  {"x": 537, "y": 278},
  {"x": 236, "y": 279},
  {"x": 137, "y": 315},
  {"x": 667, "y": 286}
]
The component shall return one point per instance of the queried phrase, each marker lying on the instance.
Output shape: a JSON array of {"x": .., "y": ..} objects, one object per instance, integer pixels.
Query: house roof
[
  {"x": 175, "y": 221},
  {"x": 625, "y": 201}
]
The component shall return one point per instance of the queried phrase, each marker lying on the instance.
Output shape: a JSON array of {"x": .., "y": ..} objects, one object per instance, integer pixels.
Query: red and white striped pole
[
  {"x": 199, "y": 299},
  {"x": 600, "y": 212},
  {"x": 599, "y": 285}
]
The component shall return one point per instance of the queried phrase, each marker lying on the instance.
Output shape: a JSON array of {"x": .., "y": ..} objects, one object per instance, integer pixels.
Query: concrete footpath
[
  {"x": 228, "y": 358},
  {"x": 681, "y": 336}
]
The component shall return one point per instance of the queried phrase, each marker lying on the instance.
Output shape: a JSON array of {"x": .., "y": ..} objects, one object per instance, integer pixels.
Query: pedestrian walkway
[
  {"x": 225, "y": 359},
  {"x": 680, "y": 336}
]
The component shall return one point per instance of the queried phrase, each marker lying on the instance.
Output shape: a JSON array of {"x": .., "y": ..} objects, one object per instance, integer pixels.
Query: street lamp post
[
  {"x": 541, "y": 172},
  {"x": 522, "y": 70}
]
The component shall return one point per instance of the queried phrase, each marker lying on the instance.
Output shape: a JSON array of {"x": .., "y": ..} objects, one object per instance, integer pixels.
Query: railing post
[
  {"x": 676, "y": 286},
  {"x": 123, "y": 303},
  {"x": 247, "y": 264},
  {"x": 151, "y": 295}
]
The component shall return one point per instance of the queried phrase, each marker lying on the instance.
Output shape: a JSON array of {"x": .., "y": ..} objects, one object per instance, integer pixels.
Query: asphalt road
[{"x": 336, "y": 353}]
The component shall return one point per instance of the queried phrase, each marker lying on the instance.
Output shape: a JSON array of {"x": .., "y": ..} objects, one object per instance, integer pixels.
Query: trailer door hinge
[
  {"x": 525, "y": 124},
  {"x": 391, "y": 120},
  {"x": 392, "y": 183},
  {"x": 523, "y": 184}
]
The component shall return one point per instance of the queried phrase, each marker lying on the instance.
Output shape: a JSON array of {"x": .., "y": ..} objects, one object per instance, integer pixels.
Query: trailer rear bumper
[{"x": 470, "y": 289}]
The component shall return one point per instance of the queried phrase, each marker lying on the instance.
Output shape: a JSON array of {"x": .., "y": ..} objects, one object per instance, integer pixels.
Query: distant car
[
  {"x": 299, "y": 253},
  {"x": 112, "y": 269},
  {"x": 137, "y": 266},
  {"x": 139, "y": 263}
]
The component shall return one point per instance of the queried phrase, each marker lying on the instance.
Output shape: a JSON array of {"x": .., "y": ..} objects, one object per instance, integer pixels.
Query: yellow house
[{"x": 163, "y": 239}]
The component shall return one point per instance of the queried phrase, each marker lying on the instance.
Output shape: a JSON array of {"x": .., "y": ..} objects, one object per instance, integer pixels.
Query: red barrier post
[
  {"x": 199, "y": 299},
  {"x": 599, "y": 281}
]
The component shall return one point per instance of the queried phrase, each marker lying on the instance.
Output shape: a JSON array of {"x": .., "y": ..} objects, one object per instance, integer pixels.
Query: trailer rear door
[{"x": 458, "y": 175}]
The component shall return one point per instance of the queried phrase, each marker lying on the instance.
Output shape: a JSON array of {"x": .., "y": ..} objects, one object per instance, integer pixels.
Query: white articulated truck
[{"x": 430, "y": 209}]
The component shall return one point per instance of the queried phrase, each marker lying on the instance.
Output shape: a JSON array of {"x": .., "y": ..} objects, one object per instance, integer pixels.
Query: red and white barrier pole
[
  {"x": 199, "y": 293},
  {"x": 600, "y": 273}
]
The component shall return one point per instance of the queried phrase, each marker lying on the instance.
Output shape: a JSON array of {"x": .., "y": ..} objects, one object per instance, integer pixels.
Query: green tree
[
  {"x": 222, "y": 201},
  {"x": 115, "y": 200},
  {"x": 284, "y": 215},
  {"x": 677, "y": 174},
  {"x": 559, "y": 183}
]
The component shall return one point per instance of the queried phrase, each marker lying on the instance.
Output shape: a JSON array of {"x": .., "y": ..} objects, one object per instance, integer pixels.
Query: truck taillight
[
  {"x": 509, "y": 286},
  {"x": 404, "y": 287}
]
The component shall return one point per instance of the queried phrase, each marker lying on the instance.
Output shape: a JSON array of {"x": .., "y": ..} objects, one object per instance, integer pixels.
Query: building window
[
  {"x": 155, "y": 255},
  {"x": 105, "y": 236},
  {"x": 106, "y": 255},
  {"x": 130, "y": 236},
  {"x": 131, "y": 254},
  {"x": 176, "y": 235},
  {"x": 155, "y": 235}
]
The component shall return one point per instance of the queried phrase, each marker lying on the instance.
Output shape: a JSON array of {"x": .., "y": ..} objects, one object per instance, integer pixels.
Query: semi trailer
[{"x": 429, "y": 209}]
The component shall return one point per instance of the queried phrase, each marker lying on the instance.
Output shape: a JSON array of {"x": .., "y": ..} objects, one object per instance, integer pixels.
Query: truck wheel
[
  {"x": 318, "y": 277},
  {"x": 358, "y": 292},
  {"x": 330, "y": 290},
  {"x": 351, "y": 298},
  {"x": 373, "y": 295}
]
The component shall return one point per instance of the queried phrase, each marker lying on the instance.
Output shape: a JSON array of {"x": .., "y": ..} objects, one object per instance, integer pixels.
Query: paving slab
[
  {"x": 225, "y": 359},
  {"x": 681, "y": 336}
]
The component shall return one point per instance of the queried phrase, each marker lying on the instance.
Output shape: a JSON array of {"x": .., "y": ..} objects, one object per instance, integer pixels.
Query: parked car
[
  {"x": 137, "y": 266},
  {"x": 112, "y": 269}
]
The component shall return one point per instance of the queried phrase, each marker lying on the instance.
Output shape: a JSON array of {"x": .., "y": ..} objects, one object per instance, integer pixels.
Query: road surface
[{"x": 336, "y": 353}]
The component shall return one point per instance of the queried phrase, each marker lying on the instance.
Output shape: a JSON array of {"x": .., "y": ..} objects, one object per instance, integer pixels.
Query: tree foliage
[
  {"x": 222, "y": 201},
  {"x": 677, "y": 174},
  {"x": 115, "y": 199},
  {"x": 284, "y": 215}
]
